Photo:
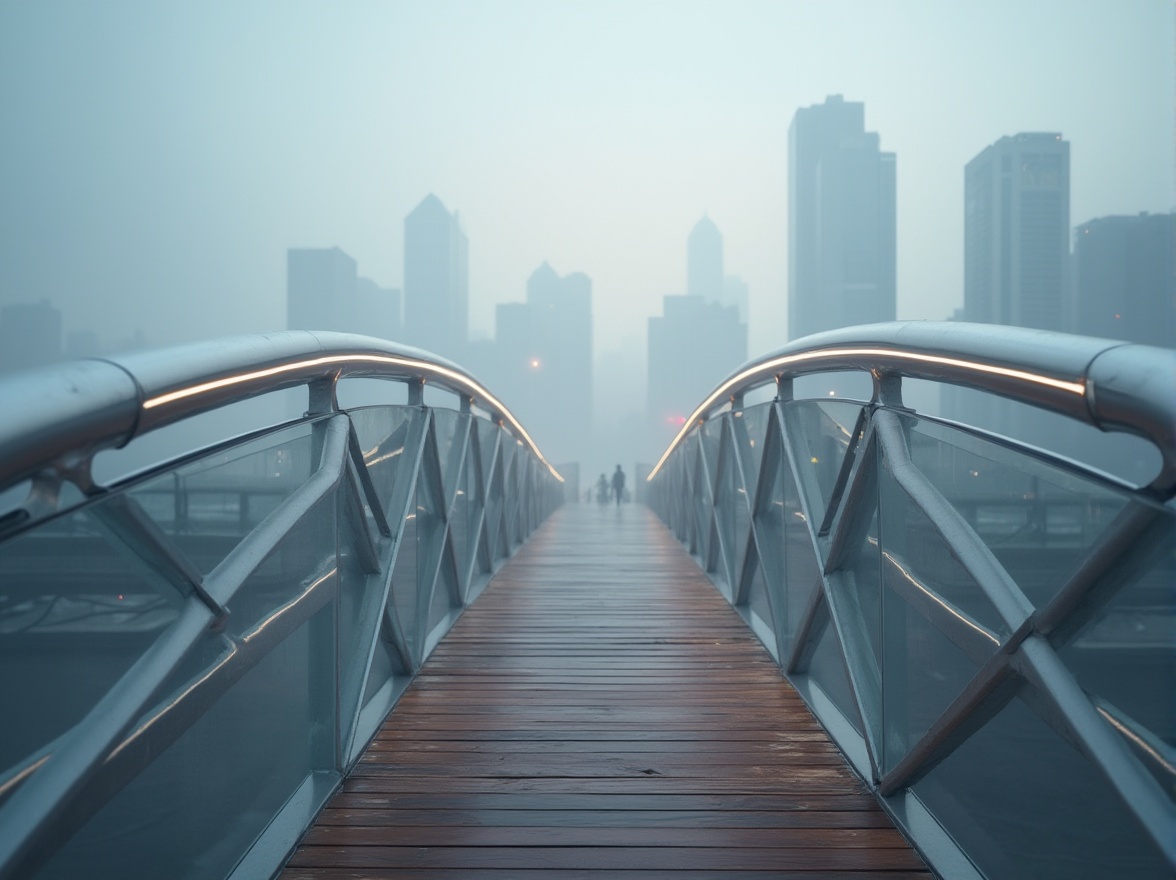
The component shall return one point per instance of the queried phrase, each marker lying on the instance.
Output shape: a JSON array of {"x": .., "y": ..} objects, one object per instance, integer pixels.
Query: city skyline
[{"x": 115, "y": 118}]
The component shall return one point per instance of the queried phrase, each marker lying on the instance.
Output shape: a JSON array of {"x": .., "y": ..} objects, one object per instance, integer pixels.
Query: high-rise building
[
  {"x": 1016, "y": 268},
  {"x": 320, "y": 290},
  {"x": 692, "y": 346},
  {"x": 1017, "y": 232},
  {"x": 841, "y": 220},
  {"x": 1125, "y": 278},
  {"x": 436, "y": 279},
  {"x": 735, "y": 293},
  {"x": 704, "y": 261},
  {"x": 30, "y": 336},
  {"x": 377, "y": 310},
  {"x": 543, "y": 361}
]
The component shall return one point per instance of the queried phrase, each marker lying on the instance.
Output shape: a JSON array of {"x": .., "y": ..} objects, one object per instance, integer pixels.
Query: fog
[{"x": 157, "y": 160}]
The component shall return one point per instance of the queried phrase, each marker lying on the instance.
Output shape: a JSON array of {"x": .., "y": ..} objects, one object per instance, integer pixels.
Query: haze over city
[{"x": 158, "y": 161}]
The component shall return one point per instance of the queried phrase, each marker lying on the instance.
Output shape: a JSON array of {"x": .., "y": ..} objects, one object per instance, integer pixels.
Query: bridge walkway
[{"x": 601, "y": 711}]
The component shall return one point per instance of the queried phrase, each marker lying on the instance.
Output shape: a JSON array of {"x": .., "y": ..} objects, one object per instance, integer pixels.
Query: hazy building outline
[
  {"x": 436, "y": 279},
  {"x": 1017, "y": 232},
  {"x": 1124, "y": 278},
  {"x": 320, "y": 289},
  {"x": 842, "y": 240}
]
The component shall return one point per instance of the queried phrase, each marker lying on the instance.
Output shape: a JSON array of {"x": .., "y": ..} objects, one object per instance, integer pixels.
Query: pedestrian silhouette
[
  {"x": 618, "y": 483},
  {"x": 602, "y": 490}
]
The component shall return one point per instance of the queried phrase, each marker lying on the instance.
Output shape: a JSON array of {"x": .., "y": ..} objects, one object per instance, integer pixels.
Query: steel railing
[
  {"x": 193, "y": 656},
  {"x": 987, "y": 630}
]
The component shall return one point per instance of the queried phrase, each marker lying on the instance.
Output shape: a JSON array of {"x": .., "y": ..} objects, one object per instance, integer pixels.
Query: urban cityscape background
[{"x": 940, "y": 187}]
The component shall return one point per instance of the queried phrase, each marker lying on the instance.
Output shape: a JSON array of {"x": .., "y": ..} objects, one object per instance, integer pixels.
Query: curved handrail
[
  {"x": 1113, "y": 385},
  {"x": 377, "y": 527},
  {"x": 854, "y": 544},
  {"x": 90, "y": 405}
]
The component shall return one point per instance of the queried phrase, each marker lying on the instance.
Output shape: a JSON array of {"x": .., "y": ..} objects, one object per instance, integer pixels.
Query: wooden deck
[{"x": 600, "y": 711}]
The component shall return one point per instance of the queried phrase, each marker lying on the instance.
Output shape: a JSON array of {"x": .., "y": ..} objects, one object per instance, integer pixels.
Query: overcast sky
[{"x": 157, "y": 158}]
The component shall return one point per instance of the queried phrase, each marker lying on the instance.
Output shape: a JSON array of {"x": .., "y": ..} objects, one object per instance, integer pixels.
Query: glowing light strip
[
  {"x": 1076, "y": 387},
  {"x": 937, "y": 599},
  {"x": 410, "y": 363},
  {"x": 1137, "y": 739}
]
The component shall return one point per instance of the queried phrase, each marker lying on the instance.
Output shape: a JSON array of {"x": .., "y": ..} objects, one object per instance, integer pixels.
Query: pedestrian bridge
[{"x": 251, "y": 656}]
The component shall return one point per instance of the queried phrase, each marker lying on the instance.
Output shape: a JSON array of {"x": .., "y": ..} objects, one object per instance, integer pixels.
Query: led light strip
[
  {"x": 1076, "y": 387},
  {"x": 409, "y": 363}
]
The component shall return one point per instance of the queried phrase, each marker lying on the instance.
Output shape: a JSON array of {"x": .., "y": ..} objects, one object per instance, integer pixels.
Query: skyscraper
[
  {"x": 320, "y": 290},
  {"x": 377, "y": 310},
  {"x": 436, "y": 279},
  {"x": 1017, "y": 232},
  {"x": 841, "y": 220},
  {"x": 544, "y": 360},
  {"x": 1016, "y": 251},
  {"x": 704, "y": 261},
  {"x": 1125, "y": 278}
]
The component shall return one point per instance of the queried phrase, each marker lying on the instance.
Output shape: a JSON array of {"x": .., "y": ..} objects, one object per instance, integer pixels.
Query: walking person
[
  {"x": 602, "y": 490},
  {"x": 618, "y": 484}
]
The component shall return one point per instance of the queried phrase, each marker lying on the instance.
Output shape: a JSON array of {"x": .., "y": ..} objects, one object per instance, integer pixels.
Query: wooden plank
[{"x": 601, "y": 711}]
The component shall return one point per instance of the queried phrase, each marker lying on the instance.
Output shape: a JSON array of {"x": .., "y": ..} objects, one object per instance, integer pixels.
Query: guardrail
[
  {"x": 194, "y": 656},
  {"x": 987, "y": 631}
]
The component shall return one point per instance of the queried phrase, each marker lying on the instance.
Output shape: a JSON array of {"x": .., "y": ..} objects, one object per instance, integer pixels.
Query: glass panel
[
  {"x": 195, "y": 810},
  {"x": 750, "y": 427},
  {"x": 451, "y": 428},
  {"x": 922, "y": 669},
  {"x": 488, "y": 434},
  {"x": 740, "y": 516},
  {"x": 858, "y": 594},
  {"x": 381, "y": 670},
  {"x": 494, "y": 496},
  {"x": 360, "y": 604},
  {"x": 921, "y": 566},
  {"x": 1126, "y": 654},
  {"x": 827, "y": 669},
  {"x": 197, "y": 432},
  {"x": 1024, "y": 804},
  {"x": 404, "y": 580},
  {"x": 444, "y": 593},
  {"x": 1036, "y": 518},
  {"x": 460, "y": 527},
  {"x": 207, "y": 506},
  {"x": 758, "y": 600},
  {"x": 77, "y": 609},
  {"x": 821, "y": 432},
  {"x": 382, "y": 433},
  {"x": 722, "y": 558},
  {"x": 801, "y": 568}
]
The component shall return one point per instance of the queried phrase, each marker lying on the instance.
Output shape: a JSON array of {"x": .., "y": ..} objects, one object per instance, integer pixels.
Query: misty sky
[{"x": 157, "y": 158}]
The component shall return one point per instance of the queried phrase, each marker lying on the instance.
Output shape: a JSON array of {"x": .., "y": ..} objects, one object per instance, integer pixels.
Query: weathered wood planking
[{"x": 601, "y": 712}]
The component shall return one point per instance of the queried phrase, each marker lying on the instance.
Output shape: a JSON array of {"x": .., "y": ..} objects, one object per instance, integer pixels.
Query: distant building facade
[
  {"x": 1125, "y": 278},
  {"x": 841, "y": 221},
  {"x": 378, "y": 310},
  {"x": 436, "y": 279},
  {"x": 320, "y": 290},
  {"x": 543, "y": 361},
  {"x": 735, "y": 293},
  {"x": 692, "y": 346},
  {"x": 1017, "y": 232},
  {"x": 704, "y": 261},
  {"x": 30, "y": 336}
]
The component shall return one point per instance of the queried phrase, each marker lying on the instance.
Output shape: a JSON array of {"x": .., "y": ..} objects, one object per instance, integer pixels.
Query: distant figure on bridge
[
  {"x": 618, "y": 483},
  {"x": 602, "y": 490}
]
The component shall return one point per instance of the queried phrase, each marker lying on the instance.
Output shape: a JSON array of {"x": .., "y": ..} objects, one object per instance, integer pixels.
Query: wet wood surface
[{"x": 600, "y": 711}]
